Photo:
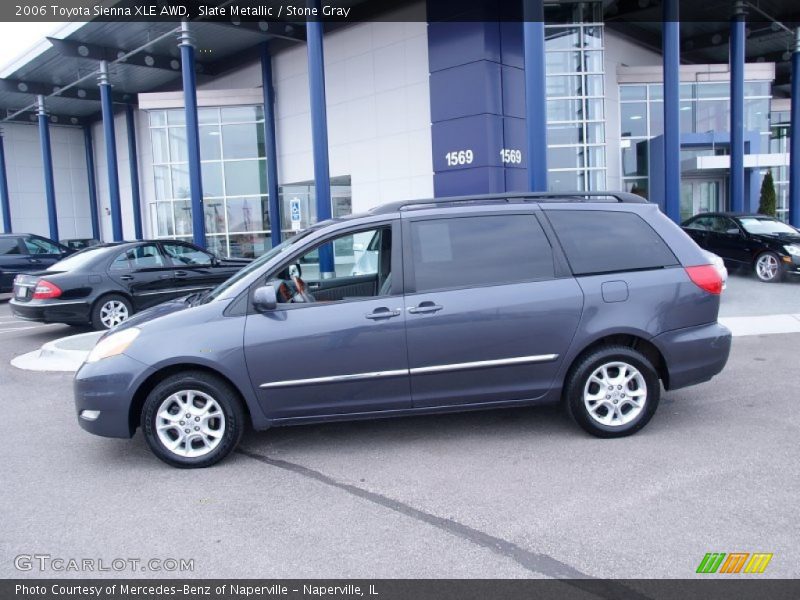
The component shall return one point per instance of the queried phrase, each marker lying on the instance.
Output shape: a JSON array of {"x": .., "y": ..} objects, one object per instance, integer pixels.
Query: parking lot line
[{"x": 23, "y": 328}]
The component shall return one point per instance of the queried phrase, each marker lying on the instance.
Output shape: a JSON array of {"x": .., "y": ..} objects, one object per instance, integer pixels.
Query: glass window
[
  {"x": 248, "y": 214},
  {"x": 563, "y": 62},
  {"x": 570, "y": 157},
  {"x": 656, "y": 91},
  {"x": 594, "y": 109},
  {"x": 452, "y": 253},
  {"x": 248, "y": 245},
  {"x": 178, "y": 151},
  {"x": 40, "y": 246},
  {"x": 212, "y": 179},
  {"x": 158, "y": 118},
  {"x": 238, "y": 114},
  {"x": 700, "y": 223},
  {"x": 245, "y": 177},
  {"x": 593, "y": 37},
  {"x": 184, "y": 255},
  {"x": 564, "y": 85},
  {"x": 562, "y": 38},
  {"x": 162, "y": 181},
  {"x": 214, "y": 215},
  {"x": 766, "y": 225},
  {"x": 180, "y": 181},
  {"x": 206, "y": 116},
  {"x": 757, "y": 88},
  {"x": 595, "y": 133},
  {"x": 593, "y": 61},
  {"x": 564, "y": 110},
  {"x": 656, "y": 119},
  {"x": 589, "y": 252},
  {"x": 566, "y": 181},
  {"x": 176, "y": 117},
  {"x": 594, "y": 85},
  {"x": 636, "y": 186},
  {"x": 633, "y": 92},
  {"x": 633, "y": 119},
  {"x": 9, "y": 246},
  {"x": 140, "y": 257},
  {"x": 160, "y": 145},
  {"x": 687, "y": 117},
  {"x": 162, "y": 218},
  {"x": 209, "y": 142},
  {"x": 243, "y": 141},
  {"x": 182, "y": 210},
  {"x": 713, "y": 90},
  {"x": 559, "y": 135},
  {"x": 634, "y": 158},
  {"x": 595, "y": 156}
]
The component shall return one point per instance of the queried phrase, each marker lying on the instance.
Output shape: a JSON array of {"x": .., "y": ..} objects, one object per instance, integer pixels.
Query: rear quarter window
[{"x": 609, "y": 241}]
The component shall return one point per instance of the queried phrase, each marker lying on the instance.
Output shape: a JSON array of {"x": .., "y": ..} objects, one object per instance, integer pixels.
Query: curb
[{"x": 64, "y": 354}]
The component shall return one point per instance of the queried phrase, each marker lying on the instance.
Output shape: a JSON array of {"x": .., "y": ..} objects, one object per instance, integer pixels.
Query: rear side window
[
  {"x": 605, "y": 241},
  {"x": 478, "y": 251},
  {"x": 9, "y": 246}
]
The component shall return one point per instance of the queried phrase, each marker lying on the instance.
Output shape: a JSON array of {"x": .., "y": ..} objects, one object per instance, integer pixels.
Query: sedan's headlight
[
  {"x": 114, "y": 344},
  {"x": 793, "y": 250}
]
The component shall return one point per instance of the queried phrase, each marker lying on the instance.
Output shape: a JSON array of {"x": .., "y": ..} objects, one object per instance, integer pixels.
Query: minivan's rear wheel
[
  {"x": 192, "y": 420},
  {"x": 110, "y": 311},
  {"x": 613, "y": 392},
  {"x": 768, "y": 267}
]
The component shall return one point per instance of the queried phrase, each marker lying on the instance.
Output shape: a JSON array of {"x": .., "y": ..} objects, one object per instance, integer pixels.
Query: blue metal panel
[
  {"x": 5, "y": 201},
  {"x": 47, "y": 164},
  {"x": 133, "y": 161},
  {"x": 110, "y": 139},
  {"x": 89, "y": 147},
  {"x": 535, "y": 97},
  {"x": 511, "y": 45},
  {"x": 319, "y": 133},
  {"x": 470, "y": 89},
  {"x": 270, "y": 145},
  {"x": 794, "y": 143},
  {"x": 672, "y": 118},
  {"x": 452, "y": 44},
  {"x": 737, "y": 113},
  {"x": 480, "y": 134},
  {"x": 514, "y": 139},
  {"x": 514, "y": 92},
  {"x": 481, "y": 180},
  {"x": 192, "y": 138}
]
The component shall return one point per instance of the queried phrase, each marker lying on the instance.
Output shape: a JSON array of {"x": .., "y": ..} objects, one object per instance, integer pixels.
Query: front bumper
[
  {"x": 53, "y": 311},
  {"x": 104, "y": 392},
  {"x": 694, "y": 354}
]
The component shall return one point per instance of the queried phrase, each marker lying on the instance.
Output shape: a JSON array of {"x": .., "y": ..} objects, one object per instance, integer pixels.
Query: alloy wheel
[
  {"x": 112, "y": 313},
  {"x": 767, "y": 267},
  {"x": 190, "y": 423},
  {"x": 615, "y": 394}
]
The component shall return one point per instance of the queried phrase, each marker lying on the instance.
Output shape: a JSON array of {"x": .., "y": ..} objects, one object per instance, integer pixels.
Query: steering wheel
[{"x": 302, "y": 295}]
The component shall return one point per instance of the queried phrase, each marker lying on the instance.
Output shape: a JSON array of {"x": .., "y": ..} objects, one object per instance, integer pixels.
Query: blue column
[
  {"x": 110, "y": 140},
  {"x": 535, "y": 95},
  {"x": 133, "y": 161},
  {"x": 319, "y": 134},
  {"x": 5, "y": 201},
  {"x": 89, "y": 146},
  {"x": 794, "y": 138},
  {"x": 737, "y": 109},
  {"x": 270, "y": 145},
  {"x": 192, "y": 136},
  {"x": 672, "y": 115},
  {"x": 47, "y": 164}
]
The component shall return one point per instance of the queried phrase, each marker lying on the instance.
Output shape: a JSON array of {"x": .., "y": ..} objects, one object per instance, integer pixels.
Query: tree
[{"x": 767, "y": 204}]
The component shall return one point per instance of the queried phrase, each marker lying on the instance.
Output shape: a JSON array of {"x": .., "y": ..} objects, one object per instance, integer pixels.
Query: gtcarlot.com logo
[
  {"x": 735, "y": 562},
  {"x": 60, "y": 564}
]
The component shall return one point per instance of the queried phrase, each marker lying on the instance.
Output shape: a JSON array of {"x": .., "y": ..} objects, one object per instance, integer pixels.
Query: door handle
[
  {"x": 126, "y": 277},
  {"x": 35, "y": 261},
  {"x": 181, "y": 274},
  {"x": 383, "y": 313},
  {"x": 425, "y": 307}
]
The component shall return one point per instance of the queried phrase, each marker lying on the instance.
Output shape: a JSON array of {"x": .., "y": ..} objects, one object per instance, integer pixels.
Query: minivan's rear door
[{"x": 488, "y": 319}]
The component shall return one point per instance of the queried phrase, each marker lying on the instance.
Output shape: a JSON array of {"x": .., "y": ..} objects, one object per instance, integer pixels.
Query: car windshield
[
  {"x": 253, "y": 266},
  {"x": 758, "y": 225},
  {"x": 77, "y": 260}
]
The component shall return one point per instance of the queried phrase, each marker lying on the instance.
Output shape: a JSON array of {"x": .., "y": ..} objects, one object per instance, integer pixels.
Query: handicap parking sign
[{"x": 296, "y": 213}]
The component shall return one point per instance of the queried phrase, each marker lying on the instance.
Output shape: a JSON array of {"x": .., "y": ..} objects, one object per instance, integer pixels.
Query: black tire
[
  {"x": 761, "y": 274},
  {"x": 228, "y": 402},
  {"x": 99, "y": 322},
  {"x": 578, "y": 382}
]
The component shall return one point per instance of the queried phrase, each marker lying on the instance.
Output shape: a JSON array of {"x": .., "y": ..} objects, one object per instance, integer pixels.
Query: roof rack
[{"x": 509, "y": 197}]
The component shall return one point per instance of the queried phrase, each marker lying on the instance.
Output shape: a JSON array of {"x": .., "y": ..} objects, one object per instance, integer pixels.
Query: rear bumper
[
  {"x": 53, "y": 311},
  {"x": 694, "y": 354},
  {"x": 104, "y": 392}
]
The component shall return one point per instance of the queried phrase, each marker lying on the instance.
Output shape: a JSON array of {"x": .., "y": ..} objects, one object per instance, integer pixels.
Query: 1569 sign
[{"x": 459, "y": 158}]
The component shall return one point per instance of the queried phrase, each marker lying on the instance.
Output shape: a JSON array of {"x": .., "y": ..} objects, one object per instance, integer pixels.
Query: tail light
[
  {"x": 706, "y": 277},
  {"x": 44, "y": 290}
]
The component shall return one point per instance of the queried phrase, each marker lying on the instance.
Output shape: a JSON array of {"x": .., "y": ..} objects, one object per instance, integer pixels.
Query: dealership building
[{"x": 238, "y": 134}]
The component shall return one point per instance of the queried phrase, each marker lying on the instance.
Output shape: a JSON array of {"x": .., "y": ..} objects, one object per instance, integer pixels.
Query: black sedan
[
  {"x": 103, "y": 285},
  {"x": 22, "y": 252},
  {"x": 769, "y": 247}
]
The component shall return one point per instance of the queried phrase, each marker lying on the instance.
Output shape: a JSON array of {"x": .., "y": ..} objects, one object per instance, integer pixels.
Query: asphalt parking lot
[{"x": 501, "y": 494}]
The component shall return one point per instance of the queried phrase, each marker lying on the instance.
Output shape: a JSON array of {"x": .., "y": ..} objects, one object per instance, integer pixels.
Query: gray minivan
[{"x": 593, "y": 300}]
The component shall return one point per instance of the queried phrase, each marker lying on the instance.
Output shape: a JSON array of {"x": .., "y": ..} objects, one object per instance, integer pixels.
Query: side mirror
[{"x": 265, "y": 298}]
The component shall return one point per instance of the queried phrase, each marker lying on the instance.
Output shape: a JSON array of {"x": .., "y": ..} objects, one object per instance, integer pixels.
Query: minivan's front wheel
[
  {"x": 192, "y": 420},
  {"x": 768, "y": 267},
  {"x": 613, "y": 392}
]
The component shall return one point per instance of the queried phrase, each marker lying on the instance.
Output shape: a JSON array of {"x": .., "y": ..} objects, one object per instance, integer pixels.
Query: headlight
[
  {"x": 793, "y": 250},
  {"x": 114, "y": 344}
]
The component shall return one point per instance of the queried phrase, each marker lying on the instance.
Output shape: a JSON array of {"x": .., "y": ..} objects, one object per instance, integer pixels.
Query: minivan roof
[{"x": 509, "y": 197}]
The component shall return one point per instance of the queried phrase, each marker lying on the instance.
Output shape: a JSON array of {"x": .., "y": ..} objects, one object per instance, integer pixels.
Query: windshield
[
  {"x": 767, "y": 226},
  {"x": 254, "y": 266},
  {"x": 77, "y": 260}
]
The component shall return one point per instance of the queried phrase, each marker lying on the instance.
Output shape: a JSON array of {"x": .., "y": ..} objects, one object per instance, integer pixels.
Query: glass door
[{"x": 700, "y": 195}]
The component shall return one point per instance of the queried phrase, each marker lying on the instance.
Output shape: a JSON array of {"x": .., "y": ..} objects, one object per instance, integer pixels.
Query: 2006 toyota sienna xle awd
[{"x": 461, "y": 304}]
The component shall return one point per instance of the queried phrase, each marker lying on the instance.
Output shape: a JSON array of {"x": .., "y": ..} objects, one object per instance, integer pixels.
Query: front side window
[
  {"x": 608, "y": 241},
  {"x": 478, "y": 251},
  {"x": 187, "y": 256},
  {"x": 40, "y": 246},
  {"x": 362, "y": 268}
]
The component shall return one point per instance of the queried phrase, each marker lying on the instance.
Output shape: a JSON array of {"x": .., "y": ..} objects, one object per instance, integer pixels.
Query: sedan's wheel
[
  {"x": 768, "y": 267},
  {"x": 613, "y": 392},
  {"x": 110, "y": 311},
  {"x": 192, "y": 420}
]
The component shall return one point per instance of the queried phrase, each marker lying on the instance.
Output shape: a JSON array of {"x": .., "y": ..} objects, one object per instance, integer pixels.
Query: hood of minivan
[{"x": 156, "y": 312}]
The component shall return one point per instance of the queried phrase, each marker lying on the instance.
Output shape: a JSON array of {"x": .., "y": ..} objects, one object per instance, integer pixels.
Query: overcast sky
[{"x": 18, "y": 38}]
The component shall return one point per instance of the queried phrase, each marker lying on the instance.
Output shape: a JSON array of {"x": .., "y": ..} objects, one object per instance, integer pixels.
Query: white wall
[
  {"x": 26, "y": 180},
  {"x": 619, "y": 51}
]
